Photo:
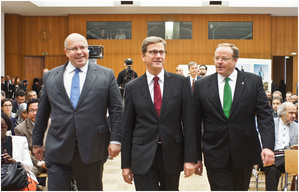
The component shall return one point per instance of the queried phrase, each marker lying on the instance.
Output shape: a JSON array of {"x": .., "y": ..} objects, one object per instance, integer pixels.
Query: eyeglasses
[
  {"x": 32, "y": 111},
  {"x": 155, "y": 52},
  {"x": 222, "y": 58},
  {"x": 81, "y": 48},
  {"x": 7, "y": 105}
]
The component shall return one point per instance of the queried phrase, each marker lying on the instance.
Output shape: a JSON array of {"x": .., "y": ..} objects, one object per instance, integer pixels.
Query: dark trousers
[
  {"x": 88, "y": 176},
  {"x": 273, "y": 174},
  {"x": 156, "y": 179},
  {"x": 229, "y": 178}
]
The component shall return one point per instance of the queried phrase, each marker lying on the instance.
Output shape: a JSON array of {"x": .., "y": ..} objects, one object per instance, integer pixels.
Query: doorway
[{"x": 33, "y": 68}]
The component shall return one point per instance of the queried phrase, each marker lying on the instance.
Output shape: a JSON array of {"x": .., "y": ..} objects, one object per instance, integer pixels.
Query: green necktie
[{"x": 227, "y": 98}]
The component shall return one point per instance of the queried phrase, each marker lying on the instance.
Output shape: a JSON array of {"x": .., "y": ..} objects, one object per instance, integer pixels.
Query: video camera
[
  {"x": 23, "y": 85},
  {"x": 96, "y": 51}
]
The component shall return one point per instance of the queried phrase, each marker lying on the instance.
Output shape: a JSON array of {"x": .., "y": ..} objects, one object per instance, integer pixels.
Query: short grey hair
[
  {"x": 282, "y": 108},
  {"x": 192, "y": 63}
]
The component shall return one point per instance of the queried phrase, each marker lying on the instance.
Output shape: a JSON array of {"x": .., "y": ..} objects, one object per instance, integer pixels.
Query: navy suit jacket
[{"x": 189, "y": 82}]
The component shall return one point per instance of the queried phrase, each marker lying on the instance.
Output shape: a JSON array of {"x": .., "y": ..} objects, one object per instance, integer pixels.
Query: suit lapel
[
  {"x": 240, "y": 85},
  {"x": 91, "y": 76},
  {"x": 143, "y": 85},
  {"x": 60, "y": 85},
  {"x": 168, "y": 84},
  {"x": 29, "y": 126},
  {"x": 213, "y": 92}
]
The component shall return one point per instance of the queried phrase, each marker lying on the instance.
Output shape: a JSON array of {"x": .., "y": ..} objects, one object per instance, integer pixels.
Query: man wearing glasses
[
  {"x": 226, "y": 103},
  {"x": 77, "y": 96},
  {"x": 158, "y": 130}
]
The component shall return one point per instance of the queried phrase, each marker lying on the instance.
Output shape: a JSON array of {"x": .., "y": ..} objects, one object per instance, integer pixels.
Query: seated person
[
  {"x": 25, "y": 129},
  {"x": 6, "y": 107},
  {"x": 31, "y": 95},
  {"x": 21, "y": 114},
  {"x": 286, "y": 135},
  {"x": 277, "y": 101},
  {"x": 15, "y": 149}
]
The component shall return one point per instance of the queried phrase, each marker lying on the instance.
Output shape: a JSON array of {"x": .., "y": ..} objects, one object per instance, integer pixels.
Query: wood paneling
[{"x": 271, "y": 36}]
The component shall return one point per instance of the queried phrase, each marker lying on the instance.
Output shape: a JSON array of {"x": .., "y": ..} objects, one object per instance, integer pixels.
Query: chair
[{"x": 291, "y": 166}]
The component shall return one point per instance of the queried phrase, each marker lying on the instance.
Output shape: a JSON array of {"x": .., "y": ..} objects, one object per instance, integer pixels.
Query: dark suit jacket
[
  {"x": 142, "y": 126},
  {"x": 189, "y": 83},
  {"x": 87, "y": 123},
  {"x": 235, "y": 137}
]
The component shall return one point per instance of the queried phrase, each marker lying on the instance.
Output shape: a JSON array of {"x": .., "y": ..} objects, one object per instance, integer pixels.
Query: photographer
[{"x": 126, "y": 75}]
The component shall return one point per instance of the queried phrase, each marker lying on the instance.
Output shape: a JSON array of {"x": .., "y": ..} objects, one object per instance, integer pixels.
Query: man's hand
[
  {"x": 38, "y": 152},
  {"x": 127, "y": 175},
  {"x": 198, "y": 168},
  {"x": 113, "y": 150},
  {"x": 189, "y": 169},
  {"x": 268, "y": 157}
]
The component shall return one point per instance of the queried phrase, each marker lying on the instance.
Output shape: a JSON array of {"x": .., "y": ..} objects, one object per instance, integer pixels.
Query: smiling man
[
  {"x": 225, "y": 104},
  {"x": 158, "y": 131},
  {"x": 77, "y": 96}
]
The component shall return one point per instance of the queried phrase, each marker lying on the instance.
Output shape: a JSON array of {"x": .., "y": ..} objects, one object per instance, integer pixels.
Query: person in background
[
  {"x": 277, "y": 101},
  {"x": 21, "y": 114},
  {"x": 288, "y": 96},
  {"x": 20, "y": 98},
  {"x": 31, "y": 95},
  {"x": 79, "y": 140},
  {"x": 2, "y": 95},
  {"x": 230, "y": 142},
  {"x": 15, "y": 149},
  {"x": 286, "y": 135},
  {"x": 294, "y": 98},
  {"x": 179, "y": 70},
  {"x": 35, "y": 85},
  {"x": 192, "y": 68},
  {"x": 202, "y": 70},
  {"x": 277, "y": 94},
  {"x": 6, "y": 107}
]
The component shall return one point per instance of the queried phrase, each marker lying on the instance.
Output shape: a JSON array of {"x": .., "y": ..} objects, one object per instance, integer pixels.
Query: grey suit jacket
[{"x": 87, "y": 123}]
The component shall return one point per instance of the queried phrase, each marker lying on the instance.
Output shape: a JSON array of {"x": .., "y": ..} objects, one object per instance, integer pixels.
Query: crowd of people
[{"x": 170, "y": 123}]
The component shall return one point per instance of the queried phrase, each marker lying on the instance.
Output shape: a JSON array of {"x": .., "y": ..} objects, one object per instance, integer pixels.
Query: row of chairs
[{"x": 291, "y": 169}]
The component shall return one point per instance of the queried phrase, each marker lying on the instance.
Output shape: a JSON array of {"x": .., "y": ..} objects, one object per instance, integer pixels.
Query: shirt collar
[
  {"x": 70, "y": 67},
  {"x": 232, "y": 77},
  {"x": 151, "y": 76}
]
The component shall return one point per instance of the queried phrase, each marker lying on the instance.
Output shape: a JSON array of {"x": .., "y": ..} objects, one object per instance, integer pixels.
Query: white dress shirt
[
  {"x": 191, "y": 79},
  {"x": 68, "y": 74},
  {"x": 283, "y": 139},
  {"x": 150, "y": 82},
  {"x": 232, "y": 84}
]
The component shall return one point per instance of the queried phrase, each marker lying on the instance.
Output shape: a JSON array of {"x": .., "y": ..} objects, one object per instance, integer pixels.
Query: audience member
[
  {"x": 274, "y": 86},
  {"x": 126, "y": 75},
  {"x": 20, "y": 98},
  {"x": 8, "y": 87},
  {"x": 25, "y": 129},
  {"x": 286, "y": 135},
  {"x": 158, "y": 142},
  {"x": 203, "y": 70},
  {"x": 294, "y": 98},
  {"x": 79, "y": 139},
  {"x": 277, "y": 94},
  {"x": 15, "y": 149},
  {"x": 35, "y": 85},
  {"x": 288, "y": 96},
  {"x": 282, "y": 87},
  {"x": 41, "y": 82},
  {"x": 192, "y": 68},
  {"x": 2, "y": 83},
  {"x": 230, "y": 142},
  {"x": 296, "y": 104},
  {"x": 21, "y": 114},
  {"x": 277, "y": 101},
  {"x": 6, "y": 107},
  {"x": 179, "y": 70},
  {"x": 2, "y": 95},
  {"x": 120, "y": 34},
  {"x": 31, "y": 95}
]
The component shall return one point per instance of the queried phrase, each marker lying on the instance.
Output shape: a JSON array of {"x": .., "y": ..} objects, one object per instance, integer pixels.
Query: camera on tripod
[{"x": 23, "y": 85}]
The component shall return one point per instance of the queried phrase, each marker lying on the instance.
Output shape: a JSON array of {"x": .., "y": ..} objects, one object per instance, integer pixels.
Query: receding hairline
[{"x": 73, "y": 35}]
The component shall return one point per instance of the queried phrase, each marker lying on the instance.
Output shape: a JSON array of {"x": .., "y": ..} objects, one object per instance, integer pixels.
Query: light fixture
[
  {"x": 293, "y": 53},
  {"x": 286, "y": 57}
]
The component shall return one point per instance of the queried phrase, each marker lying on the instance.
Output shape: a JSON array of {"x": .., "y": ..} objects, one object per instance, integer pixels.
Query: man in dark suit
[
  {"x": 78, "y": 139},
  {"x": 158, "y": 131},
  {"x": 227, "y": 108},
  {"x": 192, "y": 68}
]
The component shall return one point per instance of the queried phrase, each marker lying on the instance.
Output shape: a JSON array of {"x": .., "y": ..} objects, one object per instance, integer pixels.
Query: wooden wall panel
[
  {"x": 271, "y": 36},
  {"x": 44, "y": 35},
  {"x": 13, "y": 46}
]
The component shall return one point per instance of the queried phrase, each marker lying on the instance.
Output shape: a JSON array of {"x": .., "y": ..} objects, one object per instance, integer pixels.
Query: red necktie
[
  {"x": 157, "y": 95},
  {"x": 193, "y": 85}
]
